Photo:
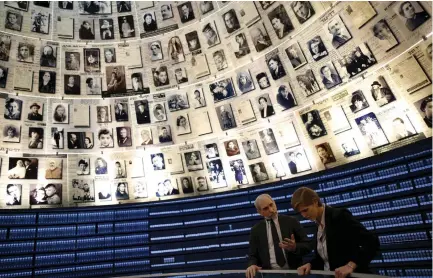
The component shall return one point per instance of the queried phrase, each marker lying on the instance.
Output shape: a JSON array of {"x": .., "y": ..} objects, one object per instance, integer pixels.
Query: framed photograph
[
  {"x": 146, "y": 136},
  {"x": 100, "y": 166},
  {"x": 105, "y": 137},
  {"x": 220, "y": 60},
  {"x": 201, "y": 184},
  {"x": 140, "y": 190},
  {"x": 231, "y": 21},
  {"x": 80, "y": 140},
  {"x": 245, "y": 81},
  {"x": 372, "y": 130},
  {"x": 23, "y": 168},
  {"x": 425, "y": 108},
  {"x": 126, "y": 26},
  {"x": 193, "y": 161},
  {"x": 211, "y": 150},
  {"x": 303, "y": 10},
  {"x": 19, "y": 5},
  {"x": 120, "y": 169},
  {"x": 115, "y": 80},
  {"x": 338, "y": 33},
  {"x": 197, "y": 98},
  {"x": 36, "y": 138},
  {"x": 50, "y": 194},
  {"x": 149, "y": 22},
  {"x": 381, "y": 92},
  {"x": 26, "y": 52},
  {"x": 13, "y": 20},
  {"x": 72, "y": 60},
  {"x": 258, "y": 170},
  {"x": 260, "y": 37},
  {"x": 269, "y": 141},
  {"x": 226, "y": 117},
  {"x": 166, "y": 11},
  {"x": 48, "y": 55},
  {"x": 186, "y": 12},
  {"x": 412, "y": 14},
  {"x": 106, "y": 28},
  {"x": 280, "y": 21},
  {"x": 158, "y": 162},
  {"x": 94, "y": 8},
  {"x": 192, "y": 41},
  {"x": 296, "y": 56},
  {"x": 13, "y": 194},
  {"x": 222, "y": 89},
  {"x": 181, "y": 75},
  {"x": 164, "y": 134},
  {"x": 232, "y": 147},
  {"x": 5, "y": 47},
  {"x": 297, "y": 160},
  {"x": 103, "y": 114},
  {"x": 104, "y": 192},
  {"x": 121, "y": 112},
  {"x": 358, "y": 60},
  {"x": 251, "y": 149},
  {"x": 159, "y": 112},
  {"x": 110, "y": 55},
  {"x": 57, "y": 138},
  {"x": 3, "y": 76},
  {"x": 337, "y": 119},
  {"x": 65, "y": 28},
  {"x": 216, "y": 174},
  {"x": 402, "y": 127},
  {"x": 124, "y": 136},
  {"x": 72, "y": 84},
  {"x": 313, "y": 124},
  {"x": 329, "y": 75},
  {"x": 91, "y": 60},
  {"x": 349, "y": 147},
  {"x": 40, "y": 22},
  {"x": 167, "y": 187},
  {"x": 384, "y": 35},
  {"x": 286, "y": 97},
  {"x": 160, "y": 76},
  {"x": 83, "y": 190},
  {"x": 317, "y": 48},
  {"x": 263, "y": 80},
  {"x": 93, "y": 85},
  {"x": 266, "y": 4},
  {"x": 205, "y": 7},
  {"x": 177, "y": 101},
  {"x": 277, "y": 168},
  {"x": 240, "y": 45},
  {"x": 210, "y": 32},
  {"x": 11, "y": 133},
  {"x": 325, "y": 153},
  {"x": 358, "y": 101},
  {"x": 155, "y": 51},
  {"x": 13, "y": 108},
  {"x": 186, "y": 185},
  {"x": 238, "y": 169},
  {"x": 275, "y": 66},
  {"x": 182, "y": 124},
  {"x": 123, "y": 6},
  {"x": 265, "y": 106},
  {"x": 175, "y": 50},
  {"x": 307, "y": 83},
  {"x": 87, "y": 30}
]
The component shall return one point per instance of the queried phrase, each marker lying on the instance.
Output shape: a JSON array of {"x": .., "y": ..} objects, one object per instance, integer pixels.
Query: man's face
[
  {"x": 50, "y": 191},
  {"x": 122, "y": 188},
  {"x": 12, "y": 18},
  {"x": 222, "y": 109},
  {"x": 162, "y": 77},
  {"x": 201, "y": 182},
  {"x": 73, "y": 137},
  {"x": 141, "y": 107},
  {"x": 108, "y": 55},
  {"x": 229, "y": 20},
  {"x": 263, "y": 102},
  {"x": 100, "y": 163},
  {"x": 273, "y": 65},
  {"x": 145, "y": 135},
  {"x": 165, "y": 12},
  {"x": 326, "y": 72},
  {"x": 48, "y": 51},
  {"x": 83, "y": 166},
  {"x": 14, "y": 191},
  {"x": 179, "y": 75},
  {"x": 35, "y": 109},
  {"x": 192, "y": 43},
  {"x": 334, "y": 28},
  {"x": 268, "y": 208},
  {"x": 301, "y": 9},
  {"x": 52, "y": 165},
  {"x": 398, "y": 126},
  {"x": 185, "y": 10},
  {"x": 382, "y": 32},
  {"x": 263, "y": 82},
  {"x": 219, "y": 61},
  {"x": 315, "y": 47},
  {"x": 148, "y": 19},
  {"x": 72, "y": 56},
  {"x": 123, "y": 133},
  {"x": 375, "y": 87},
  {"x": 208, "y": 33},
  {"x": 24, "y": 51}
]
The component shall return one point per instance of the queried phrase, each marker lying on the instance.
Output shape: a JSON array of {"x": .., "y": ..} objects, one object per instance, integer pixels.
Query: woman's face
[
  {"x": 162, "y": 77},
  {"x": 193, "y": 156},
  {"x": 310, "y": 117},
  {"x": 243, "y": 79},
  {"x": 91, "y": 59},
  {"x": 273, "y": 64},
  {"x": 86, "y": 141},
  {"x": 40, "y": 193},
  {"x": 71, "y": 80},
  {"x": 182, "y": 122},
  {"x": 148, "y": 19},
  {"x": 315, "y": 48},
  {"x": 20, "y": 163},
  {"x": 322, "y": 152},
  {"x": 108, "y": 55},
  {"x": 12, "y": 18},
  {"x": 35, "y": 135},
  {"x": 240, "y": 40},
  {"x": 358, "y": 104},
  {"x": 10, "y": 133},
  {"x": 408, "y": 10},
  {"x": 231, "y": 145},
  {"x": 47, "y": 50},
  {"x": 103, "y": 112},
  {"x": 121, "y": 188},
  {"x": 185, "y": 182},
  {"x": 46, "y": 77},
  {"x": 82, "y": 166},
  {"x": 105, "y": 140},
  {"x": 100, "y": 163},
  {"x": 60, "y": 110}
]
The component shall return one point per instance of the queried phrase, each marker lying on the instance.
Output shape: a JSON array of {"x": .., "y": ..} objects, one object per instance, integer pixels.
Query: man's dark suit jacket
[
  {"x": 259, "y": 249},
  {"x": 269, "y": 112},
  {"x": 347, "y": 240}
]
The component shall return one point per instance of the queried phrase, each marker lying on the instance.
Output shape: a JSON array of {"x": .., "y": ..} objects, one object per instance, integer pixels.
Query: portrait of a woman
[{"x": 47, "y": 82}]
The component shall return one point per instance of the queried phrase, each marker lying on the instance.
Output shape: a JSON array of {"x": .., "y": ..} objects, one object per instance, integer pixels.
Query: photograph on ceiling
[
  {"x": 280, "y": 21},
  {"x": 266, "y": 4},
  {"x": 36, "y": 138},
  {"x": 87, "y": 30},
  {"x": 19, "y": 5},
  {"x": 245, "y": 81},
  {"x": 358, "y": 101},
  {"x": 23, "y": 168},
  {"x": 124, "y": 136},
  {"x": 177, "y": 101},
  {"x": 164, "y": 134},
  {"x": 140, "y": 190},
  {"x": 424, "y": 107},
  {"x": 186, "y": 185},
  {"x": 126, "y": 26},
  {"x": 259, "y": 173},
  {"x": 201, "y": 184},
  {"x": 160, "y": 76},
  {"x": 251, "y": 149},
  {"x": 385, "y": 37},
  {"x": 349, "y": 147},
  {"x": 12, "y": 133},
  {"x": 137, "y": 82},
  {"x": 297, "y": 160},
  {"x": 296, "y": 56},
  {"x": 286, "y": 97},
  {"x": 109, "y": 55},
  {"x": 231, "y": 21},
  {"x": 206, "y": 7},
  {"x": 149, "y": 21},
  {"x": 115, "y": 80},
  {"x": 13, "y": 20},
  {"x": 317, "y": 48},
  {"x": 80, "y": 140},
  {"x": 13, "y": 108},
  {"x": 103, "y": 114},
  {"x": 72, "y": 60},
  {"x": 182, "y": 124},
  {"x": 175, "y": 50},
  {"x": 135, "y": 167},
  {"x": 157, "y": 160},
  {"x": 145, "y": 136},
  {"x": 13, "y": 194},
  {"x": 329, "y": 75},
  {"x": 3, "y": 76},
  {"x": 336, "y": 119},
  {"x": 123, "y": 6},
  {"x": 313, "y": 124},
  {"x": 381, "y": 92},
  {"x": 265, "y": 106},
  {"x": 193, "y": 41},
  {"x": 412, "y": 14},
  {"x": 166, "y": 187},
  {"x": 210, "y": 32},
  {"x": 105, "y": 138},
  {"x": 159, "y": 112},
  {"x": 26, "y": 52},
  {"x": 47, "y": 82},
  {"x": 308, "y": 83},
  {"x": 238, "y": 169},
  {"x": 358, "y": 60},
  {"x": 48, "y": 56},
  {"x": 269, "y": 141},
  {"x": 211, "y": 150},
  {"x": 104, "y": 192},
  {"x": 325, "y": 153},
  {"x": 232, "y": 147},
  {"x": 275, "y": 66},
  {"x": 72, "y": 84},
  {"x": 166, "y": 11},
  {"x": 121, "y": 112},
  {"x": 337, "y": 32},
  {"x": 240, "y": 45},
  {"x": 401, "y": 127},
  {"x": 83, "y": 190},
  {"x": 100, "y": 166},
  {"x": 197, "y": 98},
  {"x": 220, "y": 60},
  {"x": 40, "y": 22},
  {"x": 83, "y": 166},
  {"x": 371, "y": 130},
  {"x": 106, "y": 28},
  {"x": 278, "y": 168},
  {"x": 57, "y": 138},
  {"x": 193, "y": 161},
  {"x": 50, "y": 194},
  {"x": 303, "y": 10},
  {"x": 155, "y": 49},
  {"x": 263, "y": 80},
  {"x": 94, "y": 7},
  {"x": 5, "y": 47},
  {"x": 216, "y": 174},
  {"x": 186, "y": 12},
  {"x": 120, "y": 169},
  {"x": 260, "y": 37},
  {"x": 181, "y": 75},
  {"x": 222, "y": 90},
  {"x": 91, "y": 60},
  {"x": 93, "y": 85},
  {"x": 226, "y": 117}
]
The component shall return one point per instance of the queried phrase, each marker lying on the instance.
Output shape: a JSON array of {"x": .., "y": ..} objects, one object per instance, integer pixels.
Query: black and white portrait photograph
[
  {"x": 50, "y": 194},
  {"x": 166, "y": 187},
  {"x": 280, "y": 21},
  {"x": 286, "y": 97},
  {"x": 57, "y": 138},
  {"x": 349, "y": 147},
  {"x": 193, "y": 161},
  {"x": 140, "y": 190},
  {"x": 87, "y": 30},
  {"x": 155, "y": 51},
  {"x": 164, "y": 134},
  {"x": 193, "y": 41},
  {"x": 66, "y": 5},
  {"x": 166, "y": 11},
  {"x": 238, "y": 169},
  {"x": 5, "y": 47},
  {"x": 313, "y": 124},
  {"x": 36, "y": 138},
  {"x": 260, "y": 37},
  {"x": 325, "y": 153},
  {"x": 13, "y": 108},
  {"x": 317, "y": 48},
  {"x": 358, "y": 101},
  {"x": 296, "y": 56},
  {"x": 94, "y": 7},
  {"x": 385, "y": 38},
  {"x": 240, "y": 45},
  {"x": 381, "y": 92},
  {"x": 137, "y": 82},
  {"x": 115, "y": 80},
  {"x": 120, "y": 169},
  {"x": 263, "y": 80},
  {"x": 216, "y": 174},
  {"x": 146, "y": 137},
  {"x": 258, "y": 171},
  {"x": 101, "y": 167},
  {"x": 222, "y": 89},
  {"x": 126, "y": 26},
  {"x": 13, "y": 195},
  {"x": 23, "y": 168},
  {"x": 26, "y": 52},
  {"x": 275, "y": 66},
  {"x": 177, "y": 101},
  {"x": 83, "y": 166},
  {"x": 159, "y": 112},
  {"x": 181, "y": 75},
  {"x": 372, "y": 130},
  {"x": 123, "y": 6},
  {"x": 93, "y": 85},
  {"x": 149, "y": 22},
  {"x": 160, "y": 76},
  {"x": 104, "y": 192},
  {"x": 232, "y": 147},
  {"x": 182, "y": 124},
  {"x": 303, "y": 10},
  {"x": 226, "y": 117},
  {"x": 175, "y": 50},
  {"x": 83, "y": 190},
  {"x": 220, "y": 60},
  {"x": 210, "y": 32},
  {"x": 251, "y": 149},
  {"x": 11, "y": 133},
  {"x": 206, "y": 7},
  {"x": 35, "y": 111},
  {"x": 3, "y": 76},
  {"x": 412, "y": 14},
  {"x": 106, "y": 28},
  {"x": 358, "y": 60},
  {"x": 103, "y": 114},
  {"x": 197, "y": 98},
  {"x": 72, "y": 60},
  {"x": 124, "y": 136},
  {"x": 297, "y": 160},
  {"x": 265, "y": 106},
  {"x": 424, "y": 107},
  {"x": 158, "y": 162},
  {"x": 266, "y": 4},
  {"x": 110, "y": 55},
  {"x": 269, "y": 141},
  {"x": 80, "y": 140},
  {"x": 47, "y": 82},
  {"x": 186, "y": 185},
  {"x": 337, "y": 32},
  {"x": 231, "y": 21},
  {"x": 186, "y": 12},
  {"x": 211, "y": 150},
  {"x": 121, "y": 112},
  {"x": 43, "y": 4},
  {"x": 48, "y": 55},
  {"x": 40, "y": 22},
  {"x": 13, "y": 20},
  {"x": 61, "y": 113},
  {"x": 308, "y": 83},
  {"x": 329, "y": 76},
  {"x": 105, "y": 138},
  {"x": 142, "y": 111},
  {"x": 19, "y": 5},
  {"x": 402, "y": 127},
  {"x": 245, "y": 81},
  {"x": 72, "y": 84},
  {"x": 92, "y": 60}
]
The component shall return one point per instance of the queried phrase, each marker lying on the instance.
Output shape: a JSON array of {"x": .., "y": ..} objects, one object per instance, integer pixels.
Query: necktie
[{"x": 281, "y": 261}]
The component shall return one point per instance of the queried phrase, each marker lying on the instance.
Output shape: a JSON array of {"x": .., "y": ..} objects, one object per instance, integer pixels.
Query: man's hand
[
  {"x": 251, "y": 271},
  {"x": 304, "y": 270},
  {"x": 343, "y": 271},
  {"x": 289, "y": 244}
]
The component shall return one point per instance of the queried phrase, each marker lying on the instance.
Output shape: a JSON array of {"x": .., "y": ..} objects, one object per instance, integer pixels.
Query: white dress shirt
[
  {"x": 322, "y": 249},
  {"x": 273, "y": 258}
]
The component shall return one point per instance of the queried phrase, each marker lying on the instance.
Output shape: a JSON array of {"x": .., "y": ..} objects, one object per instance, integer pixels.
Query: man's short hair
[
  {"x": 103, "y": 131},
  {"x": 260, "y": 98},
  {"x": 260, "y": 198},
  {"x": 304, "y": 196},
  {"x": 50, "y": 185},
  {"x": 424, "y": 103},
  {"x": 322, "y": 68}
]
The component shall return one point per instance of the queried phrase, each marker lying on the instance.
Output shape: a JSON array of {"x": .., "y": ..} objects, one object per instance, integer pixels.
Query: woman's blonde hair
[{"x": 304, "y": 196}]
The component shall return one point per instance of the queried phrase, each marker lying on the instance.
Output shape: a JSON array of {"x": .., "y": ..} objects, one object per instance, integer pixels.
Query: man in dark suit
[
  {"x": 276, "y": 68},
  {"x": 186, "y": 13},
  {"x": 349, "y": 245},
  {"x": 164, "y": 136},
  {"x": 142, "y": 112},
  {"x": 34, "y": 115},
  {"x": 120, "y": 113},
  {"x": 123, "y": 140},
  {"x": 31, "y": 170},
  {"x": 285, "y": 97},
  {"x": 266, "y": 110},
  {"x": 73, "y": 142},
  {"x": 329, "y": 79},
  {"x": 292, "y": 164},
  {"x": 277, "y": 241}
]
